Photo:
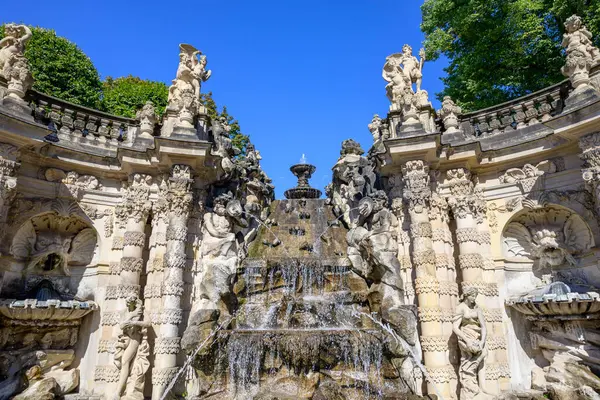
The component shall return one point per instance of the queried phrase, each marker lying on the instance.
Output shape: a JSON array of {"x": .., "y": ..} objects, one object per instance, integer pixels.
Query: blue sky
[{"x": 300, "y": 76}]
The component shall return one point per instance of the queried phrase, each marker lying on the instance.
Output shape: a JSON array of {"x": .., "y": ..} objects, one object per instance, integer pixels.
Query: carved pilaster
[
  {"x": 590, "y": 154},
  {"x": 8, "y": 180},
  {"x": 423, "y": 209}
]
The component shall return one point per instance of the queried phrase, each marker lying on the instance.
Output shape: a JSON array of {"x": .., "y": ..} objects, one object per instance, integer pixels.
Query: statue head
[
  {"x": 407, "y": 49},
  {"x": 573, "y": 23},
  {"x": 381, "y": 200},
  {"x": 469, "y": 295},
  {"x": 220, "y": 204}
]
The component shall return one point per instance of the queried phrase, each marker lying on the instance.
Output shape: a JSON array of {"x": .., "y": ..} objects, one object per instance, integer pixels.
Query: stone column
[
  {"x": 8, "y": 181},
  {"x": 446, "y": 275},
  {"x": 417, "y": 195},
  {"x": 135, "y": 210},
  {"x": 179, "y": 199},
  {"x": 496, "y": 363},
  {"x": 474, "y": 259}
]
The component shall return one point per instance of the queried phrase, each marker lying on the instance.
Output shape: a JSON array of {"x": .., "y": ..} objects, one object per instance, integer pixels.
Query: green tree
[
  {"x": 126, "y": 95},
  {"x": 61, "y": 69},
  {"x": 500, "y": 49},
  {"x": 237, "y": 137}
]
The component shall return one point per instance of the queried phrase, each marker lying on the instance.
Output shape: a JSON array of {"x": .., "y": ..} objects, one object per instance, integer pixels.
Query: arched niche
[
  {"x": 548, "y": 240},
  {"x": 47, "y": 246}
]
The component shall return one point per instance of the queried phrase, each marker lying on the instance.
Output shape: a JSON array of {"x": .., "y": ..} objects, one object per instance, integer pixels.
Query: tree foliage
[
  {"x": 500, "y": 49},
  {"x": 126, "y": 95},
  {"x": 61, "y": 69}
]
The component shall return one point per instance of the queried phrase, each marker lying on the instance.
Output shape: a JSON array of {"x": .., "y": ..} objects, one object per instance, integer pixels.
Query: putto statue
[
  {"x": 582, "y": 55},
  {"x": 132, "y": 350},
  {"x": 220, "y": 251},
  {"x": 469, "y": 328},
  {"x": 147, "y": 117},
  {"x": 13, "y": 64},
  {"x": 184, "y": 92}
]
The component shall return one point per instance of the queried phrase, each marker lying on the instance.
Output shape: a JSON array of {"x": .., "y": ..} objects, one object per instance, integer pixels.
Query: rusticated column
[
  {"x": 179, "y": 198},
  {"x": 446, "y": 275},
  {"x": 417, "y": 194},
  {"x": 135, "y": 210},
  {"x": 8, "y": 181},
  {"x": 496, "y": 364},
  {"x": 474, "y": 259},
  {"x": 131, "y": 216}
]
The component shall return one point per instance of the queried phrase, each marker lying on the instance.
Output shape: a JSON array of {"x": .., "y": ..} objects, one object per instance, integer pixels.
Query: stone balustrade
[
  {"x": 516, "y": 114},
  {"x": 80, "y": 125}
]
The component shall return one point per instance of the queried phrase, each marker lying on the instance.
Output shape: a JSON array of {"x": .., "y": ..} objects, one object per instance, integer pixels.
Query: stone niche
[
  {"x": 40, "y": 318},
  {"x": 556, "y": 313}
]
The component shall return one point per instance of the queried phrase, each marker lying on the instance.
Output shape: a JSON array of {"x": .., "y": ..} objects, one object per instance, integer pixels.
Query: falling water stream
[{"x": 191, "y": 357}]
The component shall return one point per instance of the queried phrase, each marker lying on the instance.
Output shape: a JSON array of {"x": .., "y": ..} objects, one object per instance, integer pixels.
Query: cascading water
[{"x": 300, "y": 326}]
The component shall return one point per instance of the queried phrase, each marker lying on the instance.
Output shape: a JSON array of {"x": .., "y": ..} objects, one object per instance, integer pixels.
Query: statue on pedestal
[
  {"x": 184, "y": 92},
  {"x": 13, "y": 64}
]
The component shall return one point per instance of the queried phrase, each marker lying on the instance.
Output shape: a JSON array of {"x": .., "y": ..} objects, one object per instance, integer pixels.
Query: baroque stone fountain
[{"x": 312, "y": 311}]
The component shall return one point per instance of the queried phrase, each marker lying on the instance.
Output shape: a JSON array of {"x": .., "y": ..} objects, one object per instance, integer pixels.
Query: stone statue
[
  {"x": 373, "y": 249},
  {"x": 353, "y": 178},
  {"x": 219, "y": 250},
  {"x": 582, "y": 55},
  {"x": 132, "y": 350},
  {"x": 184, "y": 92},
  {"x": 222, "y": 145},
  {"x": 375, "y": 128},
  {"x": 401, "y": 70},
  {"x": 469, "y": 327},
  {"x": 147, "y": 117},
  {"x": 199, "y": 71},
  {"x": 13, "y": 64},
  {"x": 14, "y": 42}
]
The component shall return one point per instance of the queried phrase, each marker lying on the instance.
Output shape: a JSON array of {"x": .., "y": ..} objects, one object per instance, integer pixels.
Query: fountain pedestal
[{"x": 303, "y": 190}]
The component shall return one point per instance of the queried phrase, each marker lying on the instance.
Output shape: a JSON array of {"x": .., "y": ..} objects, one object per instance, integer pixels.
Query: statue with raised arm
[
  {"x": 13, "y": 64},
  {"x": 199, "y": 71},
  {"x": 132, "y": 350},
  {"x": 14, "y": 42},
  {"x": 469, "y": 327}
]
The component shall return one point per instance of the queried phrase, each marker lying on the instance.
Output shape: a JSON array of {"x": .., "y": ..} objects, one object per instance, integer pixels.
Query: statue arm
[
  {"x": 208, "y": 224},
  {"x": 26, "y": 33},
  {"x": 456, "y": 323},
  {"x": 483, "y": 327}
]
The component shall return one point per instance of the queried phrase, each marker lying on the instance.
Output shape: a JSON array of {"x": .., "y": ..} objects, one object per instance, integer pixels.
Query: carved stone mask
[{"x": 49, "y": 243}]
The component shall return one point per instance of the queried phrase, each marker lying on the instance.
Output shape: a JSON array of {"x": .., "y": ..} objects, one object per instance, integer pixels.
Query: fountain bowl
[{"x": 48, "y": 310}]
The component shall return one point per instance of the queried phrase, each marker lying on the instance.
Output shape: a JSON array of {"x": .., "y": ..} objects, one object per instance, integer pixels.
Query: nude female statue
[
  {"x": 469, "y": 327},
  {"x": 130, "y": 343}
]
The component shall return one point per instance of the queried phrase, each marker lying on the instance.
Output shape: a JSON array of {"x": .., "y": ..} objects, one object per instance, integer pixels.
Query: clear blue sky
[{"x": 300, "y": 76}]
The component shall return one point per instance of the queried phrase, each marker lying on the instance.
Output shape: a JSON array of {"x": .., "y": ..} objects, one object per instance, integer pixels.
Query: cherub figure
[
  {"x": 577, "y": 37},
  {"x": 14, "y": 42},
  {"x": 199, "y": 71}
]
